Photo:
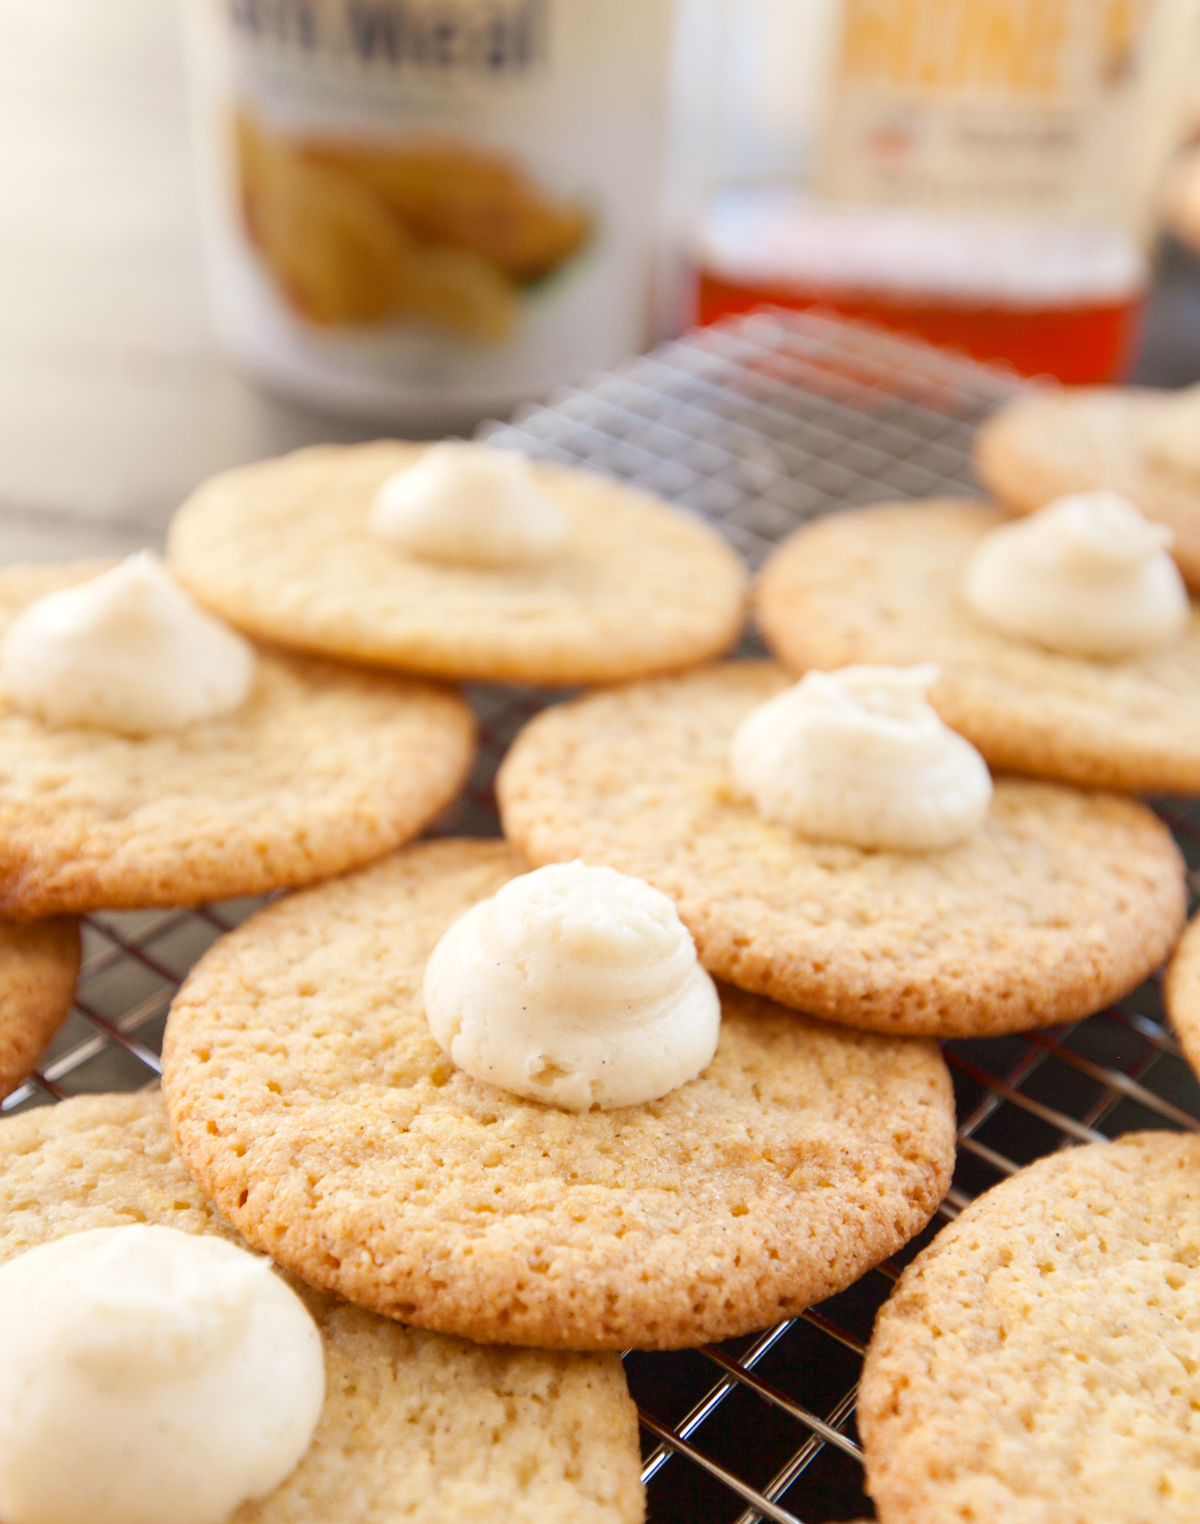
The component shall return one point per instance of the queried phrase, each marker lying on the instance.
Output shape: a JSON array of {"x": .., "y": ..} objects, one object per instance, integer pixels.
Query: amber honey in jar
[
  {"x": 1049, "y": 299},
  {"x": 424, "y": 211}
]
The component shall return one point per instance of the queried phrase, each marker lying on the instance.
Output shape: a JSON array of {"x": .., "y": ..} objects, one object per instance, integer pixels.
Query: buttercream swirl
[
  {"x": 574, "y": 985},
  {"x": 859, "y": 756},
  {"x": 468, "y": 505},
  {"x": 149, "y": 1376},
  {"x": 130, "y": 651},
  {"x": 1087, "y": 576}
]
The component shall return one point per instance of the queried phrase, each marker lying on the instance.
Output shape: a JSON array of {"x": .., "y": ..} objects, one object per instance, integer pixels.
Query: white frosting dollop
[
  {"x": 1087, "y": 575},
  {"x": 149, "y": 1376},
  {"x": 576, "y": 986},
  {"x": 859, "y": 756},
  {"x": 467, "y": 505},
  {"x": 1172, "y": 432},
  {"x": 129, "y": 651}
]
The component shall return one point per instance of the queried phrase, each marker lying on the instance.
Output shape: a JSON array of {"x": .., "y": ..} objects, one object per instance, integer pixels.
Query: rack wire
[{"x": 759, "y": 424}]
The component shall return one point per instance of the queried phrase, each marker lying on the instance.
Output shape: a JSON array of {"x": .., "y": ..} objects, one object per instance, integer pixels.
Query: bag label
[{"x": 421, "y": 38}]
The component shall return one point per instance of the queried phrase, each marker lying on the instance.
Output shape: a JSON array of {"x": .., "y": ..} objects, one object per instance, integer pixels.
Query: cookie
[
  {"x": 884, "y": 584},
  {"x": 282, "y": 550},
  {"x": 38, "y": 966},
  {"x": 322, "y": 769},
  {"x": 1181, "y": 992},
  {"x": 309, "y": 1099},
  {"x": 1061, "y": 903},
  {"x": 1049, "y": 442},
  {"x": 416, "y": 1427},
  {"x": 1039, "y": 1363}
]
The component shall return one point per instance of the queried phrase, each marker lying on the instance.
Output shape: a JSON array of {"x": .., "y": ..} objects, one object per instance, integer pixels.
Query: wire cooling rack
[{"x": 758, "y": 424}]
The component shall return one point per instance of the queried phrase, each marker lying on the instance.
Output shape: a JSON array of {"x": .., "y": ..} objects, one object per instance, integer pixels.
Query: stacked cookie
[{"x": 331, "y": 1122}]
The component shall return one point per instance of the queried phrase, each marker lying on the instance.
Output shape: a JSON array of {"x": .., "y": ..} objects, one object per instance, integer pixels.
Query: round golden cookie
[
  {"x": 1047, "y": 443},
  {"x": 311, "y": 1102},
  {"x": 323, "y": 768},
  {"x": 282, "y": 550},
  {"x": 1039, "y": 1363},
  {"x": 883, "y": 585},
  {"x": 1061, "y": 903},
  {"x": 415, "y": 1427},
  {"x": 39, "y": 962}
]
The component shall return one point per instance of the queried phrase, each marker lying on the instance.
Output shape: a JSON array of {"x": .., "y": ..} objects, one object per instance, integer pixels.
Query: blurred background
[{"x": 185, "y": 287}]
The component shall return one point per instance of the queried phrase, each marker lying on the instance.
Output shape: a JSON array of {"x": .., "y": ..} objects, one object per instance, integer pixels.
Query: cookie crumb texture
[
  {"x": 39, "y": 963},
  {"x": 885, "y": 584},
  {"x": 322, "y": 769},
  {"x": 1051, "y": 442},
  {"x": 416, "y": 1427},
  {"x": 282, "y": 550},
  {"x": 1040, "y": 1362},
  {"x": 1063, "y": 902},
  {"x": 309, "y": 1099}
]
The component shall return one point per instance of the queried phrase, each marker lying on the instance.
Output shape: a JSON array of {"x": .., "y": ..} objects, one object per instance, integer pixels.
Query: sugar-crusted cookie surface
[
  {"x": 1048, "y": 443},
  {"x": 1063, "y": 902},
  {"x": 310, "y": 1100},
  {"x": 38, "y": 965},
  {"x": 884, "y": 584},
  {"x": 323, "y": 768},
  {"x": 282, "y": 550},
  {"x": 1039, "y": 1363},
  {"x": 416, "y": 1427}
]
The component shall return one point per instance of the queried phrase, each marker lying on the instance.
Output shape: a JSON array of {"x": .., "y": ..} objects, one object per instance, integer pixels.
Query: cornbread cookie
[
  {"x": 1181, "y": 992},
  {"x": 323, "y": 768},
  {"x": 885, "y": 585},
  {"x": 1061, "y": 903},
  {"x": 416, "y": 1426},
  {"x": 38, "y": 966},
  {"x": 282, "y": 550},
  {"x": 310, "y": 1100},
  {"x": 1049, "y": 442},
  {"x": 1039, "y": 1363}
]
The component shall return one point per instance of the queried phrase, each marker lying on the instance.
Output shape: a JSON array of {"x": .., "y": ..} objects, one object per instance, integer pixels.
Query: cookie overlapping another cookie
[
  {"x": 413, "y": 1424},
  {"x": 1052, "y": 441},
  {"x": 286, "y": 551},
  {"x": 887, "y": 584},
  {"x": 1181, "y": 992},
  {"x": 39, "y": 961},
  {"x": 311, "y": 1101},
  {"x": 1062, "y": 901},
  {"x": 322, "y": 767}
]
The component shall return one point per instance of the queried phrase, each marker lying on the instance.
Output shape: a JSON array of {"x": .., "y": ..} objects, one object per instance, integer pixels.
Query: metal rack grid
[{"x": 758, "y": 424}]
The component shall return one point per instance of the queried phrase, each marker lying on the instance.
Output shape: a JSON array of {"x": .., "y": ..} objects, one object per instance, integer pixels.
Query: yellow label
[
  {"x": 1035, "y": 50},
  {"x": 1025, "y": 108}
]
